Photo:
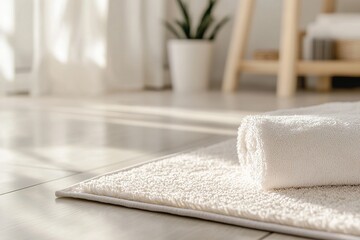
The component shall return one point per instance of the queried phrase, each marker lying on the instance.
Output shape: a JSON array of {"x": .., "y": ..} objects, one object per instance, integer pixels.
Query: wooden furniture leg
[
  {"x": 324, "y": 82},
  {"x": 329, "y": 6},
  {"x": 238, "y": 45},
  {"x": 287, "y": 76}
]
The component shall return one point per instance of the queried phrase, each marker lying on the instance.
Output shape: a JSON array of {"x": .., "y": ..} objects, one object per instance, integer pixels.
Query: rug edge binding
[{"x": 241, "y": 222}]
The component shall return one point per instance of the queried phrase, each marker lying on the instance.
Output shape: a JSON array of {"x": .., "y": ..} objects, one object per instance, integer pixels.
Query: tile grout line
[
  {"x": 41, "y": 167},
  {"x": 185, "y": 147},
  {"x": 108, "y": 165},
  {"x": 100, "y": 113},
  {"x": 266, "y": 236},
  {"x": 34, "y": 185}
]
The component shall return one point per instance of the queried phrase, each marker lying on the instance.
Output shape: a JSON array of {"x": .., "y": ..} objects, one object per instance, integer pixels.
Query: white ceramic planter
[{"x": 190, "y": 64}]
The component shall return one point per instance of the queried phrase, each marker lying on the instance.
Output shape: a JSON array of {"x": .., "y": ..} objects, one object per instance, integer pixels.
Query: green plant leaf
[
  {"x": 187, "y": 20},
  {"x": 207, "y": 13},
  {"x": 218, "y": 27},
  {"x": 172, "y": 29},
  {"x": 184, "y": 27},
  {"x": 203, "y": 27}
]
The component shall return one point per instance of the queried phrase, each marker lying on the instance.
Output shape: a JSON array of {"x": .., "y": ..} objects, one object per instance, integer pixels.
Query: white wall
[{"x": 265, "y": 31}]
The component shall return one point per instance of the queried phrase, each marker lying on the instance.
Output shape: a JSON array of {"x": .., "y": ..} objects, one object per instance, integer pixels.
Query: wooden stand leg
[
  {"x": 238, "y": 44},
  {"x": 324, "y": 83},
  {"x": 328, "y": 6},
  {"x": 286, "y": 84}
]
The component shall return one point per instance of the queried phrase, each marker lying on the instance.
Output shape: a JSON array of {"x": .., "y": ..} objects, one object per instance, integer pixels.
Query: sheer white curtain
[
  {"x": 7, "y": 55},
  {"x": 15, "y": 45},
  {"x": 90, "y": 47}
]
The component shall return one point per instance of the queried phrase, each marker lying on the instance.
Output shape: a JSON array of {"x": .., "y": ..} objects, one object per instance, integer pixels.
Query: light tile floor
[{"x": 47, "y": 144}]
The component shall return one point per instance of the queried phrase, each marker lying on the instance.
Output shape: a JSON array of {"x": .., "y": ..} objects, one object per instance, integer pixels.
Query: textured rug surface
[{"x": 210, "y": 181}]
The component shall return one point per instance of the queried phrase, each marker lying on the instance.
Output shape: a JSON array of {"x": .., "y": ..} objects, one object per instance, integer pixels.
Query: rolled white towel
[{"x": 303, "y": 147}]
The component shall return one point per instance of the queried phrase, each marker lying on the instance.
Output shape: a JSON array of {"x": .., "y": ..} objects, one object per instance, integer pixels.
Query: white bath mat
[{"x": 208, "y": 183}]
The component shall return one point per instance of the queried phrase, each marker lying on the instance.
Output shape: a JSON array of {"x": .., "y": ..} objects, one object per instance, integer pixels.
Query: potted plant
[{"x": 190, "y": 54}]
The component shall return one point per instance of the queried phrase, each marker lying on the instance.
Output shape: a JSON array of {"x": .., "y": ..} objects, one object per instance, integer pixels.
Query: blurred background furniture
[{"x": 289, "y": 66}]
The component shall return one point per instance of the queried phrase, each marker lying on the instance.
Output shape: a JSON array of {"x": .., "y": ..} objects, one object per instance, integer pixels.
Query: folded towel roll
[{"x": 304, "y": 147}]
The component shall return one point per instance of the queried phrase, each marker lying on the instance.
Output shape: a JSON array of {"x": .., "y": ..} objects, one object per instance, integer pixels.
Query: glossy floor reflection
[{"x": 47, "y": 144}]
